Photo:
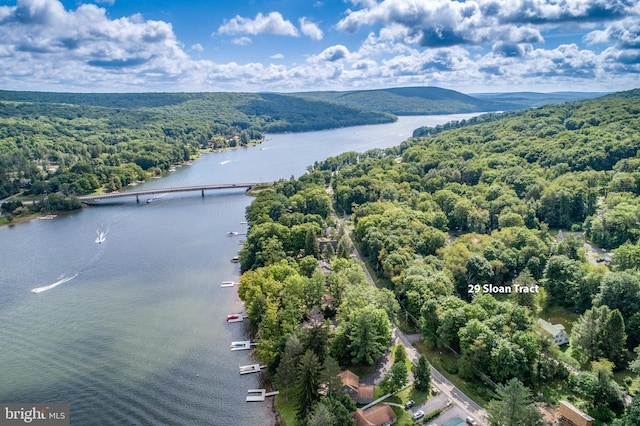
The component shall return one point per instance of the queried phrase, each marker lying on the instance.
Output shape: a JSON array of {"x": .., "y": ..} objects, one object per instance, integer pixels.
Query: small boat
[
  {"x": 235, "y": 259},
  {"x": 233, "y": 316},
  {"x": 102, "y": 236},
  {"x": 228, "y": 284},
  {"x": 232, "y": 233}
]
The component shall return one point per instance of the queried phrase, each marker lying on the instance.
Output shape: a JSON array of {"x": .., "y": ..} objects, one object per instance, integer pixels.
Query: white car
[
  {"x": 418, "y": 414},
  {"x": 471, "y": 421}
]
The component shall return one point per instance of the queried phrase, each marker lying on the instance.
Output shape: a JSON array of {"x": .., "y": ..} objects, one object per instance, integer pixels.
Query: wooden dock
[
  {"x": 259, "y": 395},
  {"x": 249, "y": 369},
  {"x": 243, "y": 345}
]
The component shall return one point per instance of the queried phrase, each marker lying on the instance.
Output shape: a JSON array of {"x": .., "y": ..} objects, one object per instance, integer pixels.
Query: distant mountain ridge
[{"x": 411, "y": 100}]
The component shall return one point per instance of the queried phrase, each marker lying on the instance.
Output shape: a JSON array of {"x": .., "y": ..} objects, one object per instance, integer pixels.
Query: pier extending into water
[{"x": 94, "y": 199}]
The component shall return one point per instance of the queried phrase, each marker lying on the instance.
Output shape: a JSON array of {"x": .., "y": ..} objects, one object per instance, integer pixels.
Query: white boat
[
  {"x": 232, "y": 233},
  {"x": 62, "y": 280},
  {"x": 102, "y": 236},
  {"x": 228, "y": 284}
]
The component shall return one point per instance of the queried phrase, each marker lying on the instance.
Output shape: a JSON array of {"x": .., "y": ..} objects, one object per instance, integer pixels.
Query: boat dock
[
  {"x": 228, "y": 283},
  {"x": 249, "y": 369},
  {"x": 244, "y": 345},
  {"x": 259, "y": 395}
]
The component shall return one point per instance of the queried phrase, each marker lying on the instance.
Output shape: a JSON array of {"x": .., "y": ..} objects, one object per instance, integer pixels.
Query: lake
[{"x": 133, "y": 330}]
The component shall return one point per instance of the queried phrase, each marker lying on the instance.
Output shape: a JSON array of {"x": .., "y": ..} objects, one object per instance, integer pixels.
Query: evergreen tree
[
  {"x": 343, "y": 250},
  {"x": 320, "y": 416},
  {"x": 287, "y": 372},
  {"x": 421, "y": 374},
  {"x": 329, "y": 252},
  {"x": 513, "y": 406},
  {"x": 614, "y": 338},
  {"x": 308, "y": 383},
  {"x": 311, "y": 245}
]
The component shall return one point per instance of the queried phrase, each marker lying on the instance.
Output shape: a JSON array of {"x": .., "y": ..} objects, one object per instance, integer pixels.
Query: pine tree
[
  {"x": 513, "y": 406},
  {"x": 421, "y": 374},
  {"x": 308, "y": 383}
]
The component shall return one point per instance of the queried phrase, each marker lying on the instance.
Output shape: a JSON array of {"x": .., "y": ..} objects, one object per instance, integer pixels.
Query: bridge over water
[{"x": 90, "y": 199}]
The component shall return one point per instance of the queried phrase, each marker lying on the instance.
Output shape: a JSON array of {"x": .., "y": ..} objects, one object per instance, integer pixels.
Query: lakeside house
[
  {"x": 556, "y": 331},
  {"x": 359, "y": 393},
  {"x": 378, "y": 415}
]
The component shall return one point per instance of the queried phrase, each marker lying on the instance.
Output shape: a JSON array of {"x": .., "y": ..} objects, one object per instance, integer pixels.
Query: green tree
[
  {"x": 343, "y": 250},
  {"x": 614, "y": 338},
  {"x": 311, "y": 245},
  {"x": 395, "y": 378},
  {"x": 369, "y": 330},
  {"x": 308, "y": 383},
  {"x": 524, "y": 279},
  {"x": 287, "y": 372},
  {"x": 422, "y": 374},
  {"x": 512, "y": 407},
  {"x": 321, "y": 415}
]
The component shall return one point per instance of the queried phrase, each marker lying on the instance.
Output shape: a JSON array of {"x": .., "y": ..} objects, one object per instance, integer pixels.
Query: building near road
[
  {"x": 571, "y": 416},
  {"x": 378, "y": 415},
  {"x": 556, "y": 331},
  {"x": 359, "y": 393}
]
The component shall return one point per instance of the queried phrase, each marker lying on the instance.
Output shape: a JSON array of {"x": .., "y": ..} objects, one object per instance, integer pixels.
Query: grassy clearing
[
  {"x": 557, "y": 314},
  {"x": 286, "y": 410}
]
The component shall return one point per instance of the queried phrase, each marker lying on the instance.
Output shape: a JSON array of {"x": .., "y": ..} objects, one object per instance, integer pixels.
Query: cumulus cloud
[
  {"x": 273, "y": 23},
  {"x": 331, "y": 54},
  {"x": 625, "y": 34},
  {"x": 310, "y": 29},
  {"x": 488, "y": 44},
  {"x": 450, "y": 23}
]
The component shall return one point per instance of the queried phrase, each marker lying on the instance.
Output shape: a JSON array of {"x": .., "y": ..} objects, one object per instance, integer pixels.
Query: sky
[{"x": 304, "y": 45}]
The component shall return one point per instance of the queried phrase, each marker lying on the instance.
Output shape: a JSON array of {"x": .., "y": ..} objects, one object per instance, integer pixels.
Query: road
[{"x": 437, "y": 379}]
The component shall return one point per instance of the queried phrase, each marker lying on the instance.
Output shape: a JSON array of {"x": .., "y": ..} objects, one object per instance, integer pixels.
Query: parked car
[
  {"x": 471, "y": 421},
  {"x": 418, "y": 415},
  {"x": 409, "y": 404}
]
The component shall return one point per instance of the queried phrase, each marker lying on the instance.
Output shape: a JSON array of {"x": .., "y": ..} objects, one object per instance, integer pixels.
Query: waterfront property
[
  {"x": 359, "y": 393},
  {"x": 378, "y": 415}
]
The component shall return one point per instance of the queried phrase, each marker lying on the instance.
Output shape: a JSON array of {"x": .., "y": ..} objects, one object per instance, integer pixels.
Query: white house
[{"x": 558, "y": 335}]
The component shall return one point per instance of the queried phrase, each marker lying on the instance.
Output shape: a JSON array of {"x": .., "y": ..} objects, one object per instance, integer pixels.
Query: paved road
[{"x": 456, "y": 395}]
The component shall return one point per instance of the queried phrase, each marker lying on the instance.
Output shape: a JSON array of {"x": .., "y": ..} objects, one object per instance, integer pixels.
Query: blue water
[{"x": 134, "y": 330}]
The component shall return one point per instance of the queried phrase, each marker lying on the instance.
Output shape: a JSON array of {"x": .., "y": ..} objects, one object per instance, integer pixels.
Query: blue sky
[{"x": 297, "y": 45}]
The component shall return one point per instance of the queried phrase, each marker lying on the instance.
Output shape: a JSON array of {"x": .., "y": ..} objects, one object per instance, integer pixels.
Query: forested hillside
[
  {"x": 74, "y": 143},
  {"x": 413, "y": 100},
  {"x": 456, "y": 224}
]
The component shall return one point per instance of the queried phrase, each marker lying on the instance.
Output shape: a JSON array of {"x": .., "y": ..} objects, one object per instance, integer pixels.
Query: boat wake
[
  {"x": 222, "y": 163},
  {"x": 102, "y": 236},
  {"x": 63, "y": 279}
]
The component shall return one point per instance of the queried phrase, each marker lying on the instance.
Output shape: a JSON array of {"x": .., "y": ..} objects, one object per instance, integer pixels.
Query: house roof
[
  {"x": 377, "y": 415},
  {"x": 366, "y": 392},
  {"x": 552, "y": 329},
  {"x": 350, "y": 379}
]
